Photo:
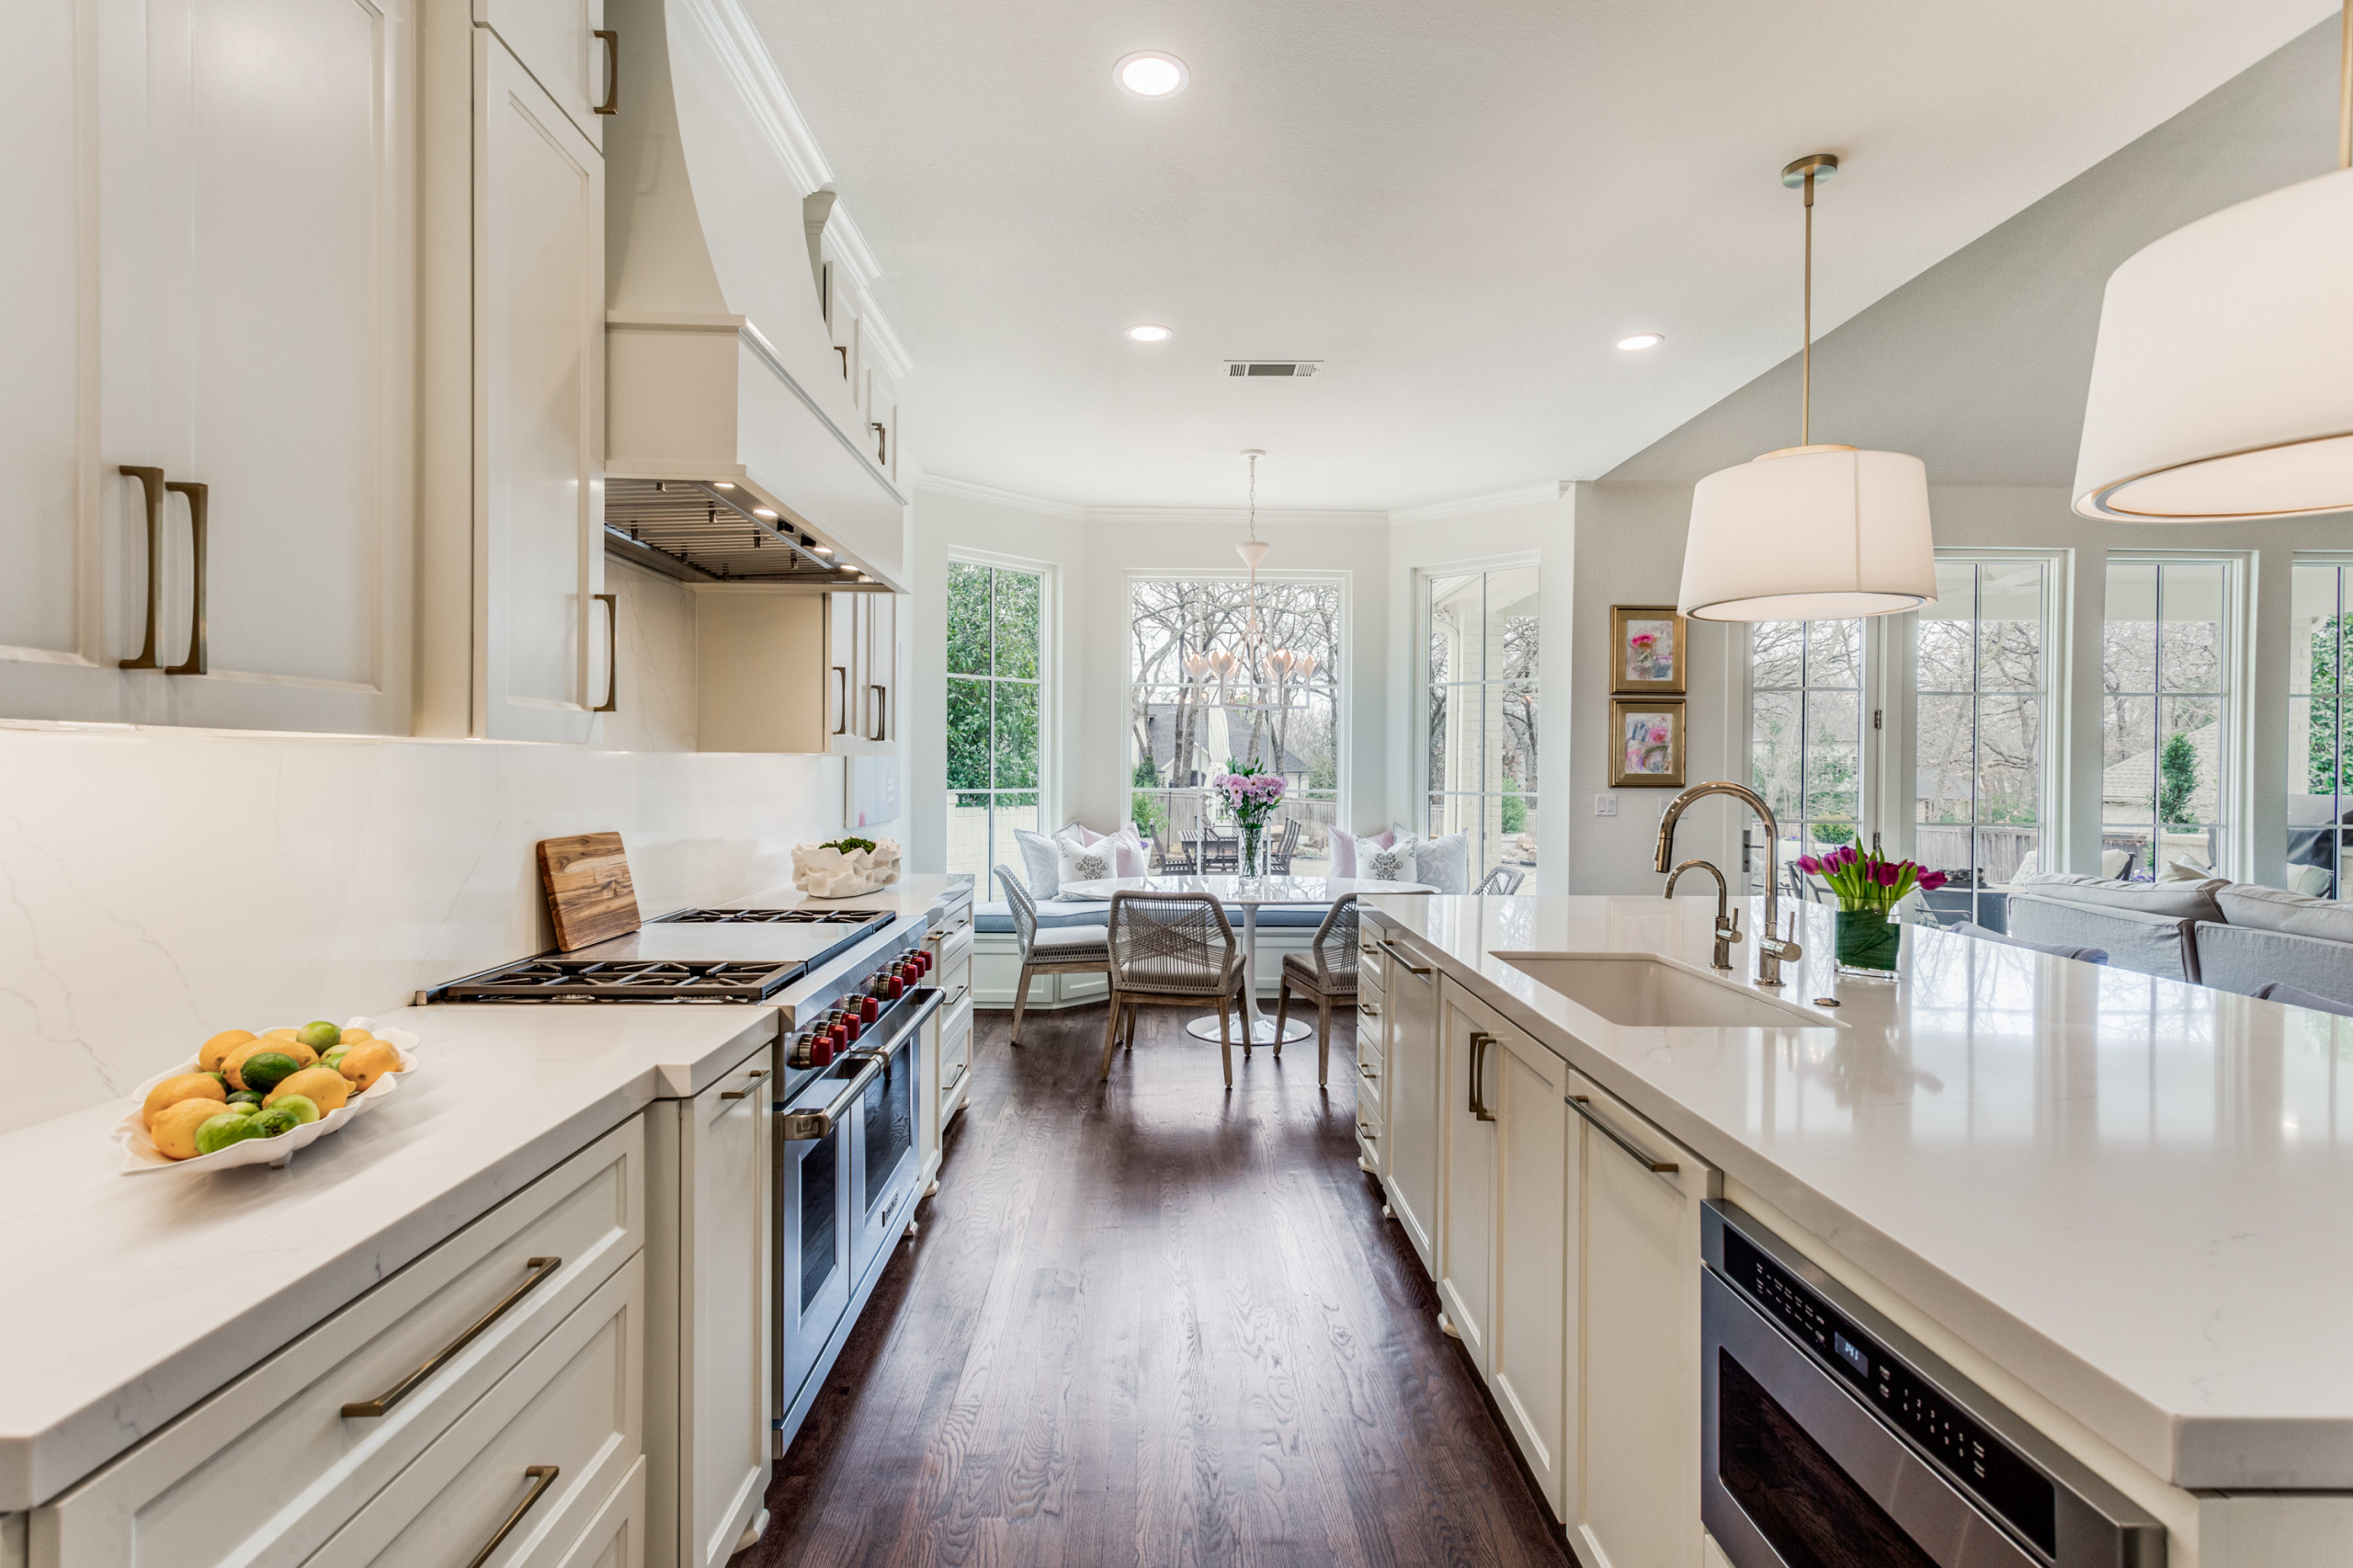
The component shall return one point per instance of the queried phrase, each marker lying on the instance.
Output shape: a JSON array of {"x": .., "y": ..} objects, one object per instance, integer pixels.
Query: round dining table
[{"x": 1250, "y": 893}]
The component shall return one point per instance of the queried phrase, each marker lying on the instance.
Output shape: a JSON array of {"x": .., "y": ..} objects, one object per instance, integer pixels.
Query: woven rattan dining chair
[
  {"x": 1069, "y": 949},
  {"x": 1172, "y": 947},
  {"x": 1502, "y": 880},
  {"x": 1327, "y": 971}
]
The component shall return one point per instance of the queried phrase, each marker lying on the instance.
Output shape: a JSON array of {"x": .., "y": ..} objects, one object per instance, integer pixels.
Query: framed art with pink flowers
[
  {"x": 1647, "y": 742},
  {"x": 1646, "y": 650}
]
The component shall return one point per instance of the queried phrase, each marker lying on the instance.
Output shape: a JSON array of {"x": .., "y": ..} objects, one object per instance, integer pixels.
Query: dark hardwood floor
[{"x": 1149, "y": 1323}]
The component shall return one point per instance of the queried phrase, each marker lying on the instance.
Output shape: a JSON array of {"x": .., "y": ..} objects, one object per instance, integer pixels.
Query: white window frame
[
  {"x": 1343, "y": 670},
  {"x": 2341, "y": 559},
  {"x": 1049, "y": 690},
  {"x": 1416, "y": 755}
]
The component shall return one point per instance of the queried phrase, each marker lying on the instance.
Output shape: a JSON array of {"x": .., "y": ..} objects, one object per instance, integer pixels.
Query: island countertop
[{"x": 2128, "y": 1193}]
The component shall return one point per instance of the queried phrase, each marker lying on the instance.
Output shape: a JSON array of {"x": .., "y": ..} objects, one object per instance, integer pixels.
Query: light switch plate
[{"x": 1604, "y": 805}]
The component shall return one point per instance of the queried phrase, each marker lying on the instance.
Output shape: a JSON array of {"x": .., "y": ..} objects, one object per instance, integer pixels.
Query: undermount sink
[{"x": 1644, "y": 993}]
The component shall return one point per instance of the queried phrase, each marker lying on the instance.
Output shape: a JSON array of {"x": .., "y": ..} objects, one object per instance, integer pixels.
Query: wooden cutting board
[{"x": 589, "y": 893}]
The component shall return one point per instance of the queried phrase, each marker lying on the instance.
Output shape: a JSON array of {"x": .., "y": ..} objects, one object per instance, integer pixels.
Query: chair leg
[
  {"x": 1132, "y": 1026},
  {"x": 1020, "y": 1006},
  {"x": 1282, "y": 1012},
  {"x": 1322, "y": 1041},
  {"x": 1111, "y": 1035},
  {"x": 1225, "y": 1045}
]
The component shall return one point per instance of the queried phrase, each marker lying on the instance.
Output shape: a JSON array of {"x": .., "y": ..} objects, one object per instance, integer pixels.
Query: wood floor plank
[{"x": 1149, "y": 1323}]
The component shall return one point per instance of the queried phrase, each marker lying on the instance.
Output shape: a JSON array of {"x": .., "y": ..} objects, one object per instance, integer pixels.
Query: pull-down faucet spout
[{"x": 1772, "y": 947}]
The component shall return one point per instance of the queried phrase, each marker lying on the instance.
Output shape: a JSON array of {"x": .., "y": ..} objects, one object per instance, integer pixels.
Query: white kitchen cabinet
[
  {"x": 559, "y": 43},
  {"x": 1529, "y": 1365},
  {"x": 710, "y": 1385},
  {"x": 1632, "y": 1491},
  {"x": 862, "y": 674},
  {"x": 167, "y": 308},
  {"x": 1415, "y": 1101},
  {"x": 1466, "y": 1203},
  {"x": 1372, "y": 1063},
  {"x": 542, "y": 635}
]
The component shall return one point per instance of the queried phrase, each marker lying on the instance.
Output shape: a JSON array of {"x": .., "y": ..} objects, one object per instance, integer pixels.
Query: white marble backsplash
[{"x": 159, "y": 885}]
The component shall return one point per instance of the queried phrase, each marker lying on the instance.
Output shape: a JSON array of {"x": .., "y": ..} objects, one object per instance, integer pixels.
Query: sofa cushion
[
  {"x": 2274, "y": 909},
  {"x": 2289, "y": 995},
  {"x": 2245, "y": 959},
  {"x": 2181, "y": 901},
  {"x": 2147, "y": 944},
  {"x": 2056, "y": 949}
]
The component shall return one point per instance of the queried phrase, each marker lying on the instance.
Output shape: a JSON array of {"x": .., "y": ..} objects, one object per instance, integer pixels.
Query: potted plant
[
  {"x": 1868, "y": 887},
  {"x": 1252, "y": 795}
]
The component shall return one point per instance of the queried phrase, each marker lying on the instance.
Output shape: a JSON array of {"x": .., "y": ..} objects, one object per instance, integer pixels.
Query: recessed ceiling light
[
  {"x": 1641, "y": 340},
  {"x": 822, "y": 549},
  {"x": 721, "y": 484},
  {"x": 1146, "y": 331},
  {"x": 762, "y": 512},
  {"x": 1149, "y": 74},
  {"x": 848, "y": 567}
]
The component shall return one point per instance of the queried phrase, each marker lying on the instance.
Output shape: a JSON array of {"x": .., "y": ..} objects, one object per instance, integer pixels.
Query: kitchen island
[{"x": 2109, "y": 1199}]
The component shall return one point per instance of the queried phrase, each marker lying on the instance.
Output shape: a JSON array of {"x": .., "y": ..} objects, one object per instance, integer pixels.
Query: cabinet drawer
[
  {"x": 556, "y": 41},
  {"x": 954, "y": 946},
  {"x": 277, "y": 1440},
  {"x": 574, "y": 1406}
]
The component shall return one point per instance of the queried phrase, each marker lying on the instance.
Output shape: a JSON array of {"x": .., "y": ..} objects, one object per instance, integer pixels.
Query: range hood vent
[
  {"x": 1295, "y": 368},
  {"x": 700, "y": 532}
]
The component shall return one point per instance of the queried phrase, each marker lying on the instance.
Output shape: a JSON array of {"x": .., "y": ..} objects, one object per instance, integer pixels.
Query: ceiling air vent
[{"x": 1296, "y": 369}]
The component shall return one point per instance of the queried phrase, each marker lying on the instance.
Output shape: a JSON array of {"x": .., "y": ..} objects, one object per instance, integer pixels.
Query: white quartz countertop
[
  {"x": 2131, "y": 1194},
  {"x": 125, "y": 1299}
]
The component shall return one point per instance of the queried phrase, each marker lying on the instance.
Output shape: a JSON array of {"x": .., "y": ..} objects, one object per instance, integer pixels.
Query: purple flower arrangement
[
  {"x": 1869, "y": 882},
  {"x": 1248, "y": 792}
]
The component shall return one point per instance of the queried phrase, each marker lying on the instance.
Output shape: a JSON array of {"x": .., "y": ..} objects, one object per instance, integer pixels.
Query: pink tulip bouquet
[{"x": 1869, "y": 882}]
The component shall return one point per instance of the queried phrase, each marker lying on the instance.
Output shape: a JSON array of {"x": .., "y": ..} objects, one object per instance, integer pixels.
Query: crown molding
[
  {"x": 1525, "y": 495},
  {"x": 1279, "y": 516},
  {"x": 941, "y": 484}
]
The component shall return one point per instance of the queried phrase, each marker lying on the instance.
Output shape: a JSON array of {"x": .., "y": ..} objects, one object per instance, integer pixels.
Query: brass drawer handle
[
  {"x": 1479, "y": 1043},
  {"x": 1369, "y": 1009},
  {"x": 1408, "y": 965},
  {"x": 542, "y": 1477},
  {"x": 612, "y": 42},
  {"x": 151, "y": 482},
  {"x": 1367, "y": 1133},
  {"x": 755, "y": 1076},
  {"x": 540, "y": 1268},
  {"x": 612, "y": 703},
  {"x": 1583, "y": 1105},
  {"x": 1365, "y": 1071},
  {"x": 198, "y": 496}
]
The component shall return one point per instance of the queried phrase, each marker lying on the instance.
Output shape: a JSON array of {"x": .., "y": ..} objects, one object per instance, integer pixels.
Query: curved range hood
[{"x": 722, "y": 386}]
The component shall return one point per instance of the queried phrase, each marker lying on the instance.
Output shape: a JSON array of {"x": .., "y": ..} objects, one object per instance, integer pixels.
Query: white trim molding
[
  {"x": 1292, "y": 516},
  {"x": 1525, "y": 495},
  {"x": 941, "y": 484}
]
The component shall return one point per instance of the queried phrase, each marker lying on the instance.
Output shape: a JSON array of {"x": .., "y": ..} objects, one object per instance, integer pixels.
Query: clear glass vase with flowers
[
  {"x": 1251, "y": 796},
  {"x": 1868, "y": 886}
]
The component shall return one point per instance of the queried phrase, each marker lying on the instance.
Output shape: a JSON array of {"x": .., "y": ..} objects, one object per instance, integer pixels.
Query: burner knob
[
  {"x": 869, "y": 1010},
  {"x": 898, "y": 987}
]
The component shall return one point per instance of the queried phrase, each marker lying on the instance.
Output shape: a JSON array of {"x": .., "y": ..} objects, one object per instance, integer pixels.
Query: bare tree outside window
[
  {"x": 2164, "y": 743},
  {"x": 1978, "y": 732},
  {"x": 1482, "y": 666}
]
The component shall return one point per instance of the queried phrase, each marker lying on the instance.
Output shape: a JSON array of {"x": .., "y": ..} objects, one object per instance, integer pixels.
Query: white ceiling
[{"x": 1457, "y": 206}]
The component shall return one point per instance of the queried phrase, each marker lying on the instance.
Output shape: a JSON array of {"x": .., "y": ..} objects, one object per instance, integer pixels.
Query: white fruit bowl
[{"x": 139, "y": 1156}]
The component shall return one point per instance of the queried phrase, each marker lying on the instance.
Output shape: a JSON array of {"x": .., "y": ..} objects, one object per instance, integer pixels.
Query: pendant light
[
  {"x": 1814, "y": 531},
  {"x": 2222, "y": 382}
]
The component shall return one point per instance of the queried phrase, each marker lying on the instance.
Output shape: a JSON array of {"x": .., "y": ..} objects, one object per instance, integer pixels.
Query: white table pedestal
[{"x": 1255, "y": 1026}]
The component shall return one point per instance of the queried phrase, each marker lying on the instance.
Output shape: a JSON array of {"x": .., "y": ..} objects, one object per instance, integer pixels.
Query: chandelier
[{"x": 1236, "y": 667}]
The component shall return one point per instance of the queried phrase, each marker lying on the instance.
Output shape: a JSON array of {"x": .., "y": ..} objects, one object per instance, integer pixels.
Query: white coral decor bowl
[{"x": 822, "y": 872}]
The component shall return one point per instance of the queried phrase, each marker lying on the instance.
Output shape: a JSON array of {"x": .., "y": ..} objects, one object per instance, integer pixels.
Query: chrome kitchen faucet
[
  {"x": 1727, "y": 917},
  {"x": 1771, "y": 948}
]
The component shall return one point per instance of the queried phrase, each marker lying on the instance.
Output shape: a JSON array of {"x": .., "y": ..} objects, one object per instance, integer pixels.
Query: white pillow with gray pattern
[
  {"x": 1087, "y": 862},
  {"x": 1378, "y": 862}
]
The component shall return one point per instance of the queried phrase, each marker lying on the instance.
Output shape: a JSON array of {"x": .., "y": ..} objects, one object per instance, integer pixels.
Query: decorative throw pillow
[
  {"x": 1379, "y": 862},
  {"x": 1081, "y": 832},
  {"x": 1042, "y": 859},
  {"x": 1444, "y": 863},
  {"x": 1087, "y": 862},
  {"x": 1343, "y": 851},
  {"x": 1129, "y": 856}
]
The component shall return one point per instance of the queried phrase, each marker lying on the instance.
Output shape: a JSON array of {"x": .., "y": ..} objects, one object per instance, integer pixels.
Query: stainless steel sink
[{"x": 1647, "y": 993}]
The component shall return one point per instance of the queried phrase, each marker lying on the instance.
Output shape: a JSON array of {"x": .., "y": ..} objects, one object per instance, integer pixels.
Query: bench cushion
[{"x": 2274, "y": 909}]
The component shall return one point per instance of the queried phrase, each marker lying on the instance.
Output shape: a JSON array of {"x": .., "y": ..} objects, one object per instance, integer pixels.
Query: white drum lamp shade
[
  {"x": 2223, "y": 384},
  {"x": 1811, "y": 533}
]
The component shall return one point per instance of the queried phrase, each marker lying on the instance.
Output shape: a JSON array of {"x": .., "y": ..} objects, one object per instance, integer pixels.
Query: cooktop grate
[
  {"x": 644, "y": 980},
  {"x": 775, "y": 916}
]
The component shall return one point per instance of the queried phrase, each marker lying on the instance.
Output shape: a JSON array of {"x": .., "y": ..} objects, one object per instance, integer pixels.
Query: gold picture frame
[
  {"x": 1647, "y": 759},
  {"x": 1648, "y": 638}
]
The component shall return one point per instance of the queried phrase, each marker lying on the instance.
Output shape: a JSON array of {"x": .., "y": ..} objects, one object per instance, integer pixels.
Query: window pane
[
  {"x": 1775, "y": 751},
  {"x": 2128, "y": 742},
  {"x": 2189, "y": 601},
  {"x": 2009, "y": 627},
  {"x": 2314, "y": 631},
  {"x": 1018, "y": 810},
  {"x": 1943, "y": 763},
  {"x": 1517, "y": 756},
  {"x": 1834, "y": 654},
  {"x": 2129, "y": 638},
  {"x": 2189, "y": 760},
  {"x": 1776, "y": 651},
  {"x": 968, "y": 618},
  {"x": 1511, "y": 623},
  {"x": 1019, "y": 595},
  {"x": 1456, "y": 616},
  {"x": 1455, "y": 753},
  {"x": 1014, "y": 749},
  {"x": 1834, "y": 757},
  {"x": 968, "y": 734},
  {"x": 2010, "y": 758},
  {"x": 1944, "y": 646}
]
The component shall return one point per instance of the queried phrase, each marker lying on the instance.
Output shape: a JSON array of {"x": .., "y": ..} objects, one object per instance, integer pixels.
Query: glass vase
[
  {"x": 1252, "y": 849},
  {"x": 1867, "y": 941}
]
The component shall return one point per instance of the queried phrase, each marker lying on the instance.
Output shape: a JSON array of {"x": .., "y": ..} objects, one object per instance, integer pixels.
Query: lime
[
  {"x": 220, "y": 1132},
  {"x": 319, "y": 1034},
  {"x": 334, "y": 1058},
  {"x": 220, "y": 1078},
  {"x": 302, "y": 1107},
  {"x": 276, "y": 1120},
  {"x": 249, "y": 1098},
  {"x": 263, "y": 1069}
]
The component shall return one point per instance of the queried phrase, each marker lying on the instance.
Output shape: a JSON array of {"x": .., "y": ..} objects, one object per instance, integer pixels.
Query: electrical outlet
[{"x": 1604, "y": 805}]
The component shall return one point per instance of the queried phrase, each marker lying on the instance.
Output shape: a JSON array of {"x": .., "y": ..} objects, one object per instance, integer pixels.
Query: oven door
[
  {"x": 883, "y": 1152},
  {"x": 1798, "y": 1474},
  {"x": 813, "y": 1251}
]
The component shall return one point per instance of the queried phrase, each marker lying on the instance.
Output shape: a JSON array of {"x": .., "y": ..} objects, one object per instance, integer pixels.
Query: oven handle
[{"x": 807, "y": 1126}]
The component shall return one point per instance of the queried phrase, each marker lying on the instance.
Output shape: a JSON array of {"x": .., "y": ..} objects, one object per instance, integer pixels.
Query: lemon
[
  {"x": 322, "y": 1085},
  {"x": 216, "y": 1051},
  {"x": 174, "y": 1129},
  {"x": 172, "y": 1091},
  {"x": 353, "y": 1036},
  {"x": 368, "y": 1060}
]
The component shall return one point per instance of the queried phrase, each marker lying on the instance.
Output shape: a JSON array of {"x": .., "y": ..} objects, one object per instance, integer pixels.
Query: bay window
[{"x": 995, "y": 634}]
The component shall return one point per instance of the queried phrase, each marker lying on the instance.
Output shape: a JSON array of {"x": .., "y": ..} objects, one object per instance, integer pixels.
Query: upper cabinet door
[
  {"x": 541, "y": 635},
  {"x": 556, "y": 41},
  {"x": 170, "y": 310}
]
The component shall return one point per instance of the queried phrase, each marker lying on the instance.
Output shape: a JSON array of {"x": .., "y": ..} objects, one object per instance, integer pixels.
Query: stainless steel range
[{"x": 695, "y": 955}]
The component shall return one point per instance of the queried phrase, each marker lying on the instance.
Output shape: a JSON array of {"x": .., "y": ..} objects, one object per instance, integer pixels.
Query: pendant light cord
[{"x": 1805, "y": 373}]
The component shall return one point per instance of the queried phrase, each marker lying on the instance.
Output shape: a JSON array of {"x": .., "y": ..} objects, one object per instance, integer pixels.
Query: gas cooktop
[{"x": 695, "y": 955}]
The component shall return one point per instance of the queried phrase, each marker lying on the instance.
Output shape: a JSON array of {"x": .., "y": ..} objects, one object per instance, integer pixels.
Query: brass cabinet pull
[
  {"x": 1479, "y": 1043},
  {"x": 1365, "y": 1071},
  {"x": 1408, "y": 965},
  {"x": 1583, "y": 1105},
  {"x": 151, "y": 481},
  {"x": 198, "y": 495},
  {"x": 541, "y": 1268},
  {"x": 1367, "y": 1133},
  {"x": 612, "y": 703},
  {"x": 1369, "y": 1009},
  {"x": 882, "y": 442},
  {"x": 753, "y": 1077},
  {"x": 841, "y": 700},
  {"x": 612, "y": 42},
  {"x": 542, "y": 1477},
  {"x": 878, "y": 705}
]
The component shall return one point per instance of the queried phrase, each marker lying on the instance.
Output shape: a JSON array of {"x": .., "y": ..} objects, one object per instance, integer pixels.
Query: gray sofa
[{"x": 2232, "y": 936}]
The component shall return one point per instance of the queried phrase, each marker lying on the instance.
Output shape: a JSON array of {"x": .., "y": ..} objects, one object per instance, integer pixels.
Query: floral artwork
[
  {"x": 1647, "y": 651},
  {"x": 1649, "y": 741}
]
